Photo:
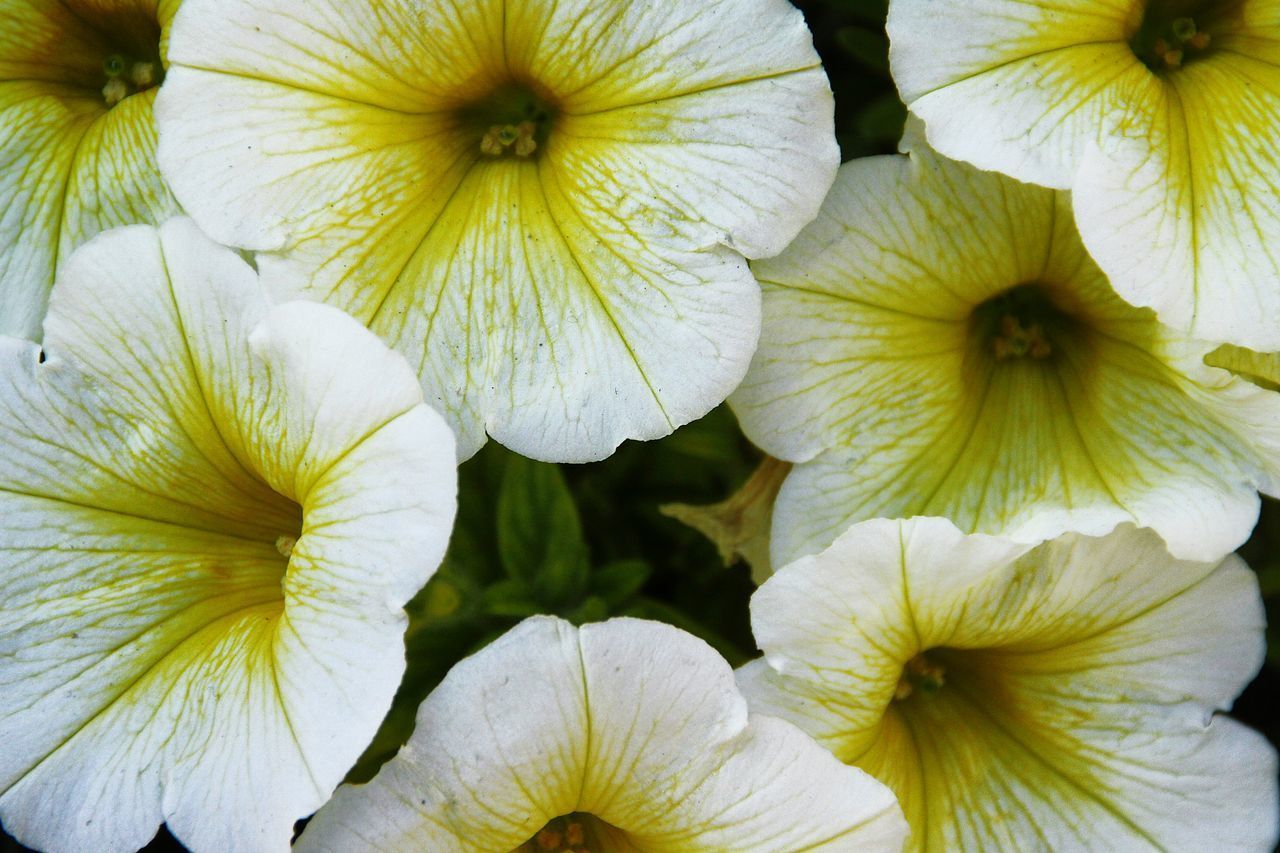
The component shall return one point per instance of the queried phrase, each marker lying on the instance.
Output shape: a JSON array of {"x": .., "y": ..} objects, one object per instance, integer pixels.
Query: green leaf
[
  {"x": 617, "y": 582},
  {"x": 593, "y": 609},
  {"x": 540, "y": 537},
  {"x": 512, "y": 598}
]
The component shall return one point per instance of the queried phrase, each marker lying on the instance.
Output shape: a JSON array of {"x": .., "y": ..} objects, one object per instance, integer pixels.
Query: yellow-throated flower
[
  {"x": 212, "y": 512},
  {"x": 544, "y": 206},
  {"x": 77, "y": 137},
  {"x": 1061, "y": 697},
  {"x": 622, "y": 736},
  {"x": 1161, "y": 116},
  {"x": 939, "y": 343}
]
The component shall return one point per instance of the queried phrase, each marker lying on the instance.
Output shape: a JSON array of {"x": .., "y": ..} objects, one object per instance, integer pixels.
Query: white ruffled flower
[
  {"x": 939, "y": 343},
  {"x": 544, "y": 206},
  {"x": 625, "y": 735},
  {"x": 1056, "y": 698},
  {"x": 212, "y": 511}
]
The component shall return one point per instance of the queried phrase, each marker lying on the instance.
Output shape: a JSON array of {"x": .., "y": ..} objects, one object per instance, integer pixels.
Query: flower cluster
[{"x": 271, "y": 271}]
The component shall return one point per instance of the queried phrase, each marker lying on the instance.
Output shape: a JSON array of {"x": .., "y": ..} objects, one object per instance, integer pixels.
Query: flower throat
[{"x": 1174, "y": 33}]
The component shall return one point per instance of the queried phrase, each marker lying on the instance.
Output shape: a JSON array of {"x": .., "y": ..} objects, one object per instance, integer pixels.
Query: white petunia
[
  {"x": 1056, "y": 698},
  {"x": 1161, "y": 116},
  {"x": 939, "y": 343},
  {"x": 544, "y": 206},
  {"x": 212, "y": 512},
  {"x": 622, "y": 736},
  {"x": 78, "y": 80}
]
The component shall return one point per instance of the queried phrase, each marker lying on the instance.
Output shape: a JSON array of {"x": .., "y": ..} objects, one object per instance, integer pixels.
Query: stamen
[
  {"x": 922, "y": 674},
  {"x": 1016, "y": 340},
  {"x": 143, "y": 74},
  {"x": 518, "y": 138},
  {"x": 115, "y": 91},
  {"x": 549, "y": 839},
  {"x": 284, "y": 544}
]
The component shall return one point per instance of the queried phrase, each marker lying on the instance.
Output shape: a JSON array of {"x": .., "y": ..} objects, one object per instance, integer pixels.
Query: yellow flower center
[
  {"x": 571, "y": 833},
  {"x": 1175, "y": 32},
  {"x": 1022, "y": 322},
  {"x": 512, "y": 120}
]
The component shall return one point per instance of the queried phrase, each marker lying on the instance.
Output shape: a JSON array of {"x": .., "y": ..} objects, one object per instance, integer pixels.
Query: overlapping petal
[
  {"x": 1061, "y": 697},
  {"x": 560, "y": 301},
  {"x": 633, "y": 729},
  {"x": 212, "y": 511},
  {"x": 1172, "y": 169},
  {"x": 879, "y": 372},
  {"x": 71, "y": 165}
]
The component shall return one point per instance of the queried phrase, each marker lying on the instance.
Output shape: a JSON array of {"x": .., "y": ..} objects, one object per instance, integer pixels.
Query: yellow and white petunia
[
  {"x": 1161, "y": 116},
  {"x": 545, "y": 206},
  {"x": 77, "y": 136},
  {"x": 1059, "y": 697},
  {"x": 212, "y": 512},
  {"x": 622, "y": 736},
  {"x": 939, "y": 343}
]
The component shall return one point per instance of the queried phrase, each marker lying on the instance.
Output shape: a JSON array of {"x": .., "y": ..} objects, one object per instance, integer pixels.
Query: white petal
[
  {"x": 167, "y": 659},
  {"x": 565, "y": 303},
  {"x": 631, "y": 722},
  {"x": 1081, "y": 680},
  {"x": 870, "y": 373}
]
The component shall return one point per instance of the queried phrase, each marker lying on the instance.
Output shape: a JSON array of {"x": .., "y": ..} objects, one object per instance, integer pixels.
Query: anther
[
  {"x": 115, "y": 91},
  {"x": 143, "y": 74},
  {"x": 284, "y": 544}
]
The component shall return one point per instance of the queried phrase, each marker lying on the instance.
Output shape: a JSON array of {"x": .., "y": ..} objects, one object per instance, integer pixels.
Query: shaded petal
[
  {"x": 115, "y": 180},
  {"x": 39, "y": 136}
]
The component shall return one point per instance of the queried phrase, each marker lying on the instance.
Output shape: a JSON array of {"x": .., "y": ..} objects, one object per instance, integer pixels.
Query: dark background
[{"x": 636, "y": 561}]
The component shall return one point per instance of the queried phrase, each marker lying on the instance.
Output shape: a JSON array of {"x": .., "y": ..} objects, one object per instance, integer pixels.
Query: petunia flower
[
  {"x": 939, "y": 343},
  {"x": 626, "y": 735},
  {"x": 1161, "y": 116},
  {"x": 77, "y": 136},
  {"x": 212, "y": 512},
  {"x": 544, "y": 206},
  {"x": 1061, "y": 697}
]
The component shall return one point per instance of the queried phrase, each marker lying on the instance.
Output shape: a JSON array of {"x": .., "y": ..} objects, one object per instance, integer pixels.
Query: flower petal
[
  {"x": 1163, "y": 209},
  {"x": 1081, "y": 679},
  {"x": 1020, "y": 88},
  {"x": 872, "y": 374},
  {"x": 39, "y": 136},
  {"x": 633, "y": 723},
  {"x": 179, "y": 637},
  {"x": 565, "y": 302}
]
